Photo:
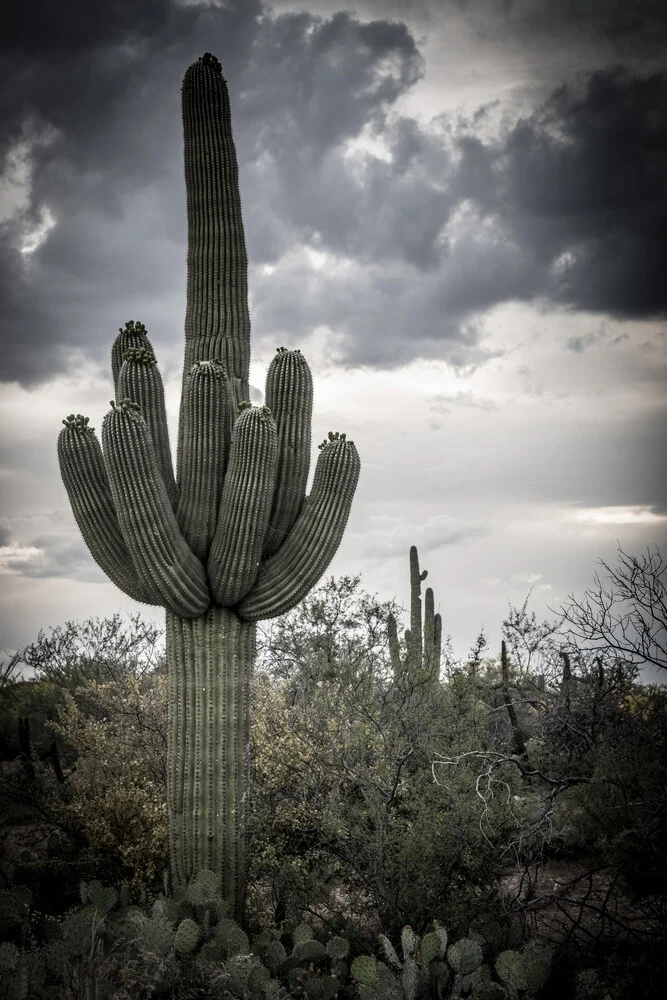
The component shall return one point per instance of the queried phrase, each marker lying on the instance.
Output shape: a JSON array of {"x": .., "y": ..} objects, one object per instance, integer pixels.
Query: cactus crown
[
  {"x": 333, "y": 438},
  {"x": 133, "y": 327},
  {"x": 208, "y": 59},
  {"x": 127, "y": 406},
  {"x": 211, "y": 367},
  {"x": 77, "y": 422},
  {"x": 141, "y": 355}
]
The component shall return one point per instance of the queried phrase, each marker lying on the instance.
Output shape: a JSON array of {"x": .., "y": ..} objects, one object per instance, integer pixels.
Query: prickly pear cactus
[
  {"x": 525, "y": 971},
  {"x": 465, "y": 956},
  {"x": 232, "y": 939},
  {"x": 337, "y": 948},
  {"x": 308, "y": 951},
  {"x": 104, "y": 898},
  {"x": 390, "y": 951},
  {"x": 364, "y": 970},
  {"x": 156, "y": 936},
  {"x": 187, "y": 936}
]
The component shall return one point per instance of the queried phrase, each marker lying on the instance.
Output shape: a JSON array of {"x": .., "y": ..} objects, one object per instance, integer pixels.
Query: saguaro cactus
[
  {"x": 423, "y": 644},
  {"x": 231, "y": 539}
]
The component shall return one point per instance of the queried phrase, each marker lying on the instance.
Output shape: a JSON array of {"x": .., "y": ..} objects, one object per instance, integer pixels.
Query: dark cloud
[
  {"x": 582, "y": 185},
  {"x": 566, "y": 207},
  {"x": 636, "y": 31},
  {"x": 100, "y": 120},
  {"x": 96, "y": 113},
  {"x": 38, "y": 28},
  {"x": 611, "y": 27}
]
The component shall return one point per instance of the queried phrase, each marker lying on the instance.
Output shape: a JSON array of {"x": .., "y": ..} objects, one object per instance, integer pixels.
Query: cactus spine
[
  {"x": 423, "y": 644},
  {"x": 231, "y": 539}
]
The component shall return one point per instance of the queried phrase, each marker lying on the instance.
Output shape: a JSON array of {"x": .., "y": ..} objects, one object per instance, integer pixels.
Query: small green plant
[
  {"x": 430, "y": 969},
  {"x": 186, "y": 941}
]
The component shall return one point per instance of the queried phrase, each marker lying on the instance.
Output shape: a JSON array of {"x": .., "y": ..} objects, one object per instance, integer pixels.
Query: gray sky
[{"x": 455, "y": 208}]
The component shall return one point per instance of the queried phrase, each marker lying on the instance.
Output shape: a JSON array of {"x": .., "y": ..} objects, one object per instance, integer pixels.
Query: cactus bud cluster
[
  {"x": 142, "y": 355},
  {"x": 331, "y": 438},
  {"x": 77, "y": 422}
]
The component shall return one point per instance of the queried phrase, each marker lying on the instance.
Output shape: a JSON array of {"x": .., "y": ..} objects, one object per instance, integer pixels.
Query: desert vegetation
[{"x": 491, "y": 828}]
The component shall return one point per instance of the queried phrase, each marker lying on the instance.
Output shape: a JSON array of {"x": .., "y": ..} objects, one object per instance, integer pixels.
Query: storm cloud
[{"x": 411, "y": 246}]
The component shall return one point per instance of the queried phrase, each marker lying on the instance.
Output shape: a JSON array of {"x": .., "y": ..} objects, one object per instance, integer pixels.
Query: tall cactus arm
[
  {"x": 245, "y": 506},
  {"x": 87, "y": 484},
  {"x": 394, "y": 647},
  {"x": 429, "y": 629},
  {"x": 131, "y": 335},
  {"x": 289, "y": 396},
  {"x": 208, "y": 420},
  {"x": 415, "y": 641},
  {"x": 217, "y": 321},
  {"x": 432, "y": 636},
  {"x": 286, "y": 577},
  {"x": 437, "y": 643},
  {"x": 164, "y": 563},
  {"x": 139, "y": 379}
]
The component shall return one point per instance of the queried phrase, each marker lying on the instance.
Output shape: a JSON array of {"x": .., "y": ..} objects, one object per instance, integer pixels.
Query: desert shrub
[
  {"x": 117, "y": 794},
  {"x": 346, "y": 812},
  {"x": 99, "y": 692}
]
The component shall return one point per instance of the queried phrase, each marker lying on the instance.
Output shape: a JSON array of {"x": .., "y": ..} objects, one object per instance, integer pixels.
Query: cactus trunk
[{"x": 210, "y": 662}]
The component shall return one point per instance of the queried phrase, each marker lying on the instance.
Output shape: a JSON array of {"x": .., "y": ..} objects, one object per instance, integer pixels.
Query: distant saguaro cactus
[
  {"x": 232, "y": 538},
  {"x": 423, "y": 644}
]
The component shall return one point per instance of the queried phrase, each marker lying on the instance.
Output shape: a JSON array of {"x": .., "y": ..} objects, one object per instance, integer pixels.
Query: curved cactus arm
[
  {"x": 87, "y": 484},
  {"x": 217, "y": 321},
  {"x": 208, "y": 419},
  {"x": 164, "y": 563},
  {"x": 245, "y": 506},
  {"x": 286, "y": 577},
  {"x": 431, "y": 664},
  {"x": 131, "y": 335},
  {"x": 432, "y": 636},
  {"x": 139, "y": 379},
  {"x": 289, "y": 396}
]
